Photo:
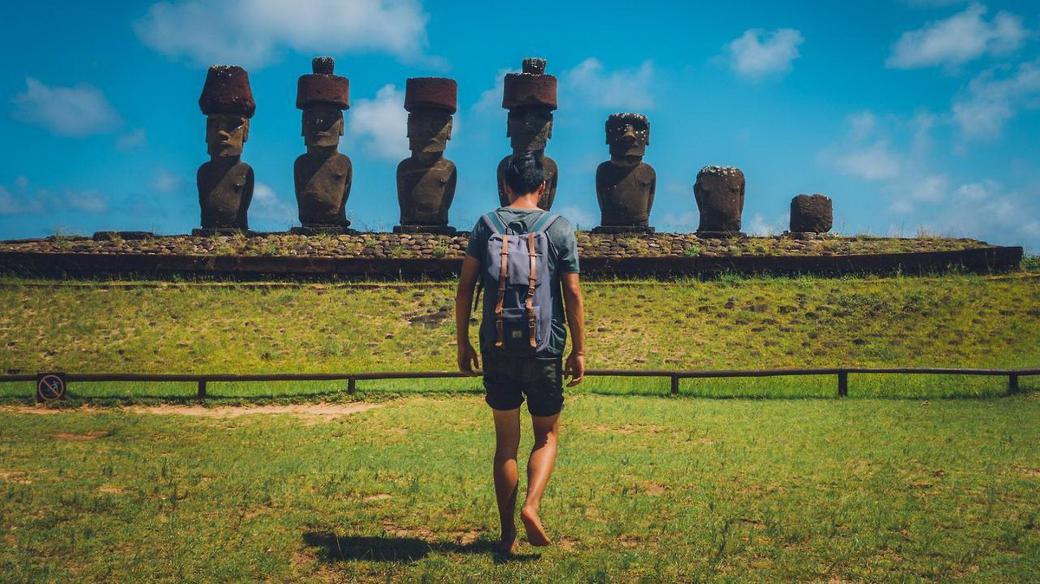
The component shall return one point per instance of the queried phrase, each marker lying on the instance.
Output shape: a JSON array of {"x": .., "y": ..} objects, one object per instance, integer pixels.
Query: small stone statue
[
  {"x": 530, "y": 97},
  {"x": 719, "y": 191},
  {"x": 225, "y": 182},
  {"x": 426, "y": 180},
  {"x": 322, "y": 176},
  {"x": 811, "y": 214},
  {"x": 625, "y": 184}
]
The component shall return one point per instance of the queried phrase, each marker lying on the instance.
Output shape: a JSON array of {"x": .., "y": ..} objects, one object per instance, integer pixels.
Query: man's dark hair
[{"x": 524, "y": 173}]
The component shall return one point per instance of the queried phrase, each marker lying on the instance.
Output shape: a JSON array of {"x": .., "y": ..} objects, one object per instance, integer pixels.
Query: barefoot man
[{"x": 527, "y": 262}]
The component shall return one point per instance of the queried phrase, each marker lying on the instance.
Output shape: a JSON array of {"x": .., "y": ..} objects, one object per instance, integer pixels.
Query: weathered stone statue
[
  {"x": 811, "y": 214},
  {"x": 225, "y": 182},
  {"x": 719, "y": 191},
  {"x": 322, "y": 176},
  {"x": 530, "y": 97},
  {"x": 625, "y": 184},
  {"x": 426, "y": 180}
]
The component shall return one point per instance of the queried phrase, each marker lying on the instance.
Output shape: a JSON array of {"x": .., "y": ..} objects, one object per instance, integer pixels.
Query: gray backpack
[{"x": 517, "y": 315}]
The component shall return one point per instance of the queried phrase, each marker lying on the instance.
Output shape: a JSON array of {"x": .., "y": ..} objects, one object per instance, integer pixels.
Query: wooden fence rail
[{"x": 674, "y": 376}]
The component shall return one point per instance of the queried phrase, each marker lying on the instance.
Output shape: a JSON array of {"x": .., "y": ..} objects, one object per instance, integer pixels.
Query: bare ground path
[{"x": 317, "y": 411}]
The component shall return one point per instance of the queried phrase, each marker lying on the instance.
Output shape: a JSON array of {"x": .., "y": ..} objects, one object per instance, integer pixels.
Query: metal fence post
[
  {"x": 1012, "y": 383},
  {"x": 202, "y": 389},
  {"x": 675, "y": 385},
  {"x": 351, "y": 385},
  {"x": 843, "y": 383}
]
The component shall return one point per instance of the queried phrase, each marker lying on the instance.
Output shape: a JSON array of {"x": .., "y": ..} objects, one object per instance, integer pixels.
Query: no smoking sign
[{"x": 50, "y": 387}]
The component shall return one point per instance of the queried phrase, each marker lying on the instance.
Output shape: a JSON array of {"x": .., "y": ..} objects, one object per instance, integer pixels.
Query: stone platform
[{"x": 434, "y": 255}]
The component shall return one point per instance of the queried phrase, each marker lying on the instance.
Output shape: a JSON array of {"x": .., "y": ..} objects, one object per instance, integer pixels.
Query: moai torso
[
  {"x": 719, "y": 192},
  {"x": 551, "y": 176},
  {"x": 322, "y": 183},
  {"x": 225, "y": 191},
  {"x": 425, "y": 191},
  {"x": 625, "y": 193}
]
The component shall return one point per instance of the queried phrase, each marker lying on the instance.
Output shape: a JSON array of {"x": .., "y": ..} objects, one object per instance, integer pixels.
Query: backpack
[{"x": 517, "y": 313}]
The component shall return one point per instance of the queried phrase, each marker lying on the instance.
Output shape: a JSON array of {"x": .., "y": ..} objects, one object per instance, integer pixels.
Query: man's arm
[
  {"x": 575, "y": 306},
  {"x": 467, "y": 355}
]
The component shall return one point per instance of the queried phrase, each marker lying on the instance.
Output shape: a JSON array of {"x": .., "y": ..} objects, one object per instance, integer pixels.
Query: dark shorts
[{"x": 508, "y": 379}]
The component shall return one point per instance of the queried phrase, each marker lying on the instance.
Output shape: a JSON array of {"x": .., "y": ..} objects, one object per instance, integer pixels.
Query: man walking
[{"x": 527, "y": 262}]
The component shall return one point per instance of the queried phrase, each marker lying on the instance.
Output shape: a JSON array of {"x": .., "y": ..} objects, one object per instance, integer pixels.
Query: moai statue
[
  {"x": 426, "y": 180},
  {"x": 323, "y": 175},
  {"x": 719, "y": 191},
  {"x": 530, "y": 97},
  {"x": 625, "y": 184},
  {"x": 811, "y": 214},
  {"x": 225, "y": 182}
]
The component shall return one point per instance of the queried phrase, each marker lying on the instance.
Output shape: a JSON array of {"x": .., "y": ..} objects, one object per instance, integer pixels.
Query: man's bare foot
[
  {"x": 508, "y": 544},
  {"x": 533, "y": 526}
]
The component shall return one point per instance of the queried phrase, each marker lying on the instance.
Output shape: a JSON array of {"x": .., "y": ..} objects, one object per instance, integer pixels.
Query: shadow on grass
[{"x": 337, "y": 548}]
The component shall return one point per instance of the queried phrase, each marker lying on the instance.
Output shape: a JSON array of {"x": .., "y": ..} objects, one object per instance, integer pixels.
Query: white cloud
[
  {"x": 21, "y": 181},
  {"x": 757, "y": 54},
  {"x": 579, "y": 217},
  {"x": 989, "y": 211},
  {"x": 990, "y": 101},
  {"x": 759, "y": 225},
  {"x": 253, "y": 32},
  {"x": 88, "y": 201},
  {"x": 491, "y": 99},
  {"x": 872, "y": 162},
  {"x": 133, "y": 139},
  {"x": 963, "y": 37},
  {"x": 267, "y": 205},
  {"x": 76, "y": 111},
  {"x": 165, "y": 181},
  {"x": 12, "y": 205},
  {"x": 380, "y": 125},
  {"x": 621, "y": 89}
]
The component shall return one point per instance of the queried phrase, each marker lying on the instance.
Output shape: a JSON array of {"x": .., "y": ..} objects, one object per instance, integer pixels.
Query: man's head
[{"x": 524, "y": 175}]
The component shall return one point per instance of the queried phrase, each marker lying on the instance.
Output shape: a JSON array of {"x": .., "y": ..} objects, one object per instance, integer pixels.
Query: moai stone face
[
  {"x": 322, "y": 127},
  {"x": 625, "y": 185},
  {"x": 426, "y": 180},
  {"x": 323, "y": 175},
  {"x": 811, "y": 214},
  {"x": 719, "y": 191},
  {"x": 225, "y": 183},
  {"x": 530, "y": 97}
]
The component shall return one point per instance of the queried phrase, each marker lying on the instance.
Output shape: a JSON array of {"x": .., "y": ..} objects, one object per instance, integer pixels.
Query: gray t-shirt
[{"x": 563, "y": 258}]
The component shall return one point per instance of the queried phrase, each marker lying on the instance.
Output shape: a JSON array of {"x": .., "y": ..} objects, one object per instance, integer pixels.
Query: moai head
[
  {"x": 530, "y": 97},
  {"x": 811, "y": 214},
  {"x": 431, "y": 102},
  {"x": 628, "y": 135},
  {"x": 322, "y": 96},
  {"x": 227, "y": 102}
]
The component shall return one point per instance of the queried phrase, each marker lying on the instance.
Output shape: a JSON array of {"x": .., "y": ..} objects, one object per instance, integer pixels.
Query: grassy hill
[{"x": 170, "y": 327}]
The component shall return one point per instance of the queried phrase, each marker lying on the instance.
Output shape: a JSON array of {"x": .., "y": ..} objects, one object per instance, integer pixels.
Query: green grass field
[
  {"x": 647, "y": 489},
  {"x": 730, "y": 323}
]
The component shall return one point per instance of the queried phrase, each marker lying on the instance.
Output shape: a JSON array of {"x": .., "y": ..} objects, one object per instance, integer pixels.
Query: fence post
[
  {"x": 351, "y": 385},
  {"x": 202, "y": 389},
  {"x": 843, "y": 383},
  {"x": 675, "y": 385},
  {"x": 1012, "y": 383}
]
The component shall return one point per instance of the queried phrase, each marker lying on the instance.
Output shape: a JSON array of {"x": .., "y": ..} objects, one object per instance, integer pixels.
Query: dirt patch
[
  {"x": 379, "y": 497},
  {"x": 653, "y": 489},
  {"x": 111, "y": 490},
  {"x": 14, "y": 476},
  {"x": 319, "y": 411},
  {"x": 84, "y": 437}
]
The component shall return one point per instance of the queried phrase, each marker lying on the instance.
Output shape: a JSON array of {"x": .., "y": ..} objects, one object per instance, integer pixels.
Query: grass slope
[
  {"x": 646, "y": 490},
  {"x": 956, "y": 321}
]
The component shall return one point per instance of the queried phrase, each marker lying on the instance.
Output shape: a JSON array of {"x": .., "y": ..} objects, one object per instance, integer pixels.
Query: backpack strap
[
  {"x": 544, "y": 222},
  {"x": 503, "y": 275},
  {"x": 532, "y": 281},
  {"x": 495, "y": 223}
]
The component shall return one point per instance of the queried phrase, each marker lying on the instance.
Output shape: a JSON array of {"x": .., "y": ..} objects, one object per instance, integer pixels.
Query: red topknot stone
[
  {"x": 322, "y": 87},
  {"x": 435, "y": 92},
  {"x": 530, "y": 87},
  {"x": 227, "y": 91}
]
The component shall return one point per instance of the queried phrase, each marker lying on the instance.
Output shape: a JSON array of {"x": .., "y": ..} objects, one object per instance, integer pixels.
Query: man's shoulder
[{"x": 561, "y": 226}]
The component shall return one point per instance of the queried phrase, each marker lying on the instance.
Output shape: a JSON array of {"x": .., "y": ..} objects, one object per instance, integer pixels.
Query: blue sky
[{"x": 911, "y": 114}]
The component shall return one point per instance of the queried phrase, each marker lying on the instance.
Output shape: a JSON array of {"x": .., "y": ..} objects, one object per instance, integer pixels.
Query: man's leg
[
  {"x": 539, "y": 468},
  {"x": 507, "y": 440}
]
